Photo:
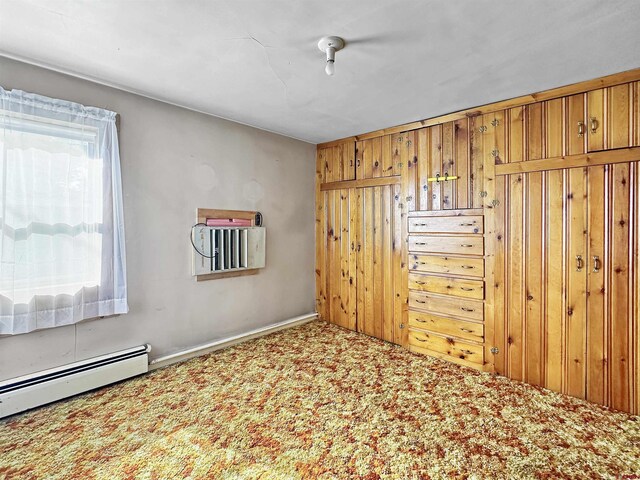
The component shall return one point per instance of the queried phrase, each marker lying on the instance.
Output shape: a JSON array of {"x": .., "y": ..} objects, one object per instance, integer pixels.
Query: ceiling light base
[{"x": 330, "y": 42}]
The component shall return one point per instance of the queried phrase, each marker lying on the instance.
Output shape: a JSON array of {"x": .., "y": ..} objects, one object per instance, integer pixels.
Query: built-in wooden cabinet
[
  {"x": 504, "y": 238},
  {"x": 359, "y": 264},
  {"x": 568, "y": 258}
]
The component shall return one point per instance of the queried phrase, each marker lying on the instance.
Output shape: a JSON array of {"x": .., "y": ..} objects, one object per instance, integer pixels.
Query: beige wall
[{"x": 174, "y": 161}]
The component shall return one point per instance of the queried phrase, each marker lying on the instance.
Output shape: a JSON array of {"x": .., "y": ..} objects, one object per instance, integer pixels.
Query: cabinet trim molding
[{"x": 605, "y": 157}]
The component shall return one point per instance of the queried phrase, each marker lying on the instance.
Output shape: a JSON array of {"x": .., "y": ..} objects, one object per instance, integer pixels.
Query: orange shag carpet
[{"x": 317, "y": 401}]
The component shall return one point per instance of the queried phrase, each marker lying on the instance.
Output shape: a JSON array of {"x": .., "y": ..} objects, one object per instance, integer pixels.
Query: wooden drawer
[
  {"x": 461, "y": 244},
  {"x": 472, "y": 267},
  {"x": 458, "y": 287},
  {"x": 458, "y": 307},
  {"x": 447, "y": 326},
  {"x": 469, "y": 352},
  {"x": 461, "y": 224}
]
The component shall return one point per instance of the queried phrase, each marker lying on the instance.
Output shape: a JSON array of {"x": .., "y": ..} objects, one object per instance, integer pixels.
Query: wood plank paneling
[
  {"x": 555, "y": 285},
  {"x": 476, "y": 149},
  {"x": 534, "y": 270},
  {"x": 462, "y": 159},
  {"x": 619, "y": 119},
  {"x": 596, "y": 285},
  {"x": 576, "y": 282},
  {"x": 620, "y": 301},
  {"x": 516, "y": 135},
  {"x": 387, "y": 157},
  {"x": 448, "y": 166},
  {"x": 515, "y": 277},
  {"x": 354, "y": 240},
  {"x": 535, "y": 131},
  {"x": 320, "y": 226},
  {"x": 399, "y": 268},
  {"x": 545, "y": 198}
]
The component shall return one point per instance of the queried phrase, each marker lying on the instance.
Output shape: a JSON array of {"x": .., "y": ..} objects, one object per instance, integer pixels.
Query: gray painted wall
[{"x": 173, "y": 161}]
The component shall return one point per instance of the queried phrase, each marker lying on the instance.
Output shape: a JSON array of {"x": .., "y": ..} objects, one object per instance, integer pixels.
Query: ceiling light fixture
[{"x": 330, "y": 45}]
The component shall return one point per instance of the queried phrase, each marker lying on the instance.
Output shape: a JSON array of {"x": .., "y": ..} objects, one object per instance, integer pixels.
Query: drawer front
[
  {"x": 469, "y": 352},
  {"x": 461, "y": 224},
  {"x": 458, "y": 307},
  {"x": 447, "y": 326},
  {"x": 472, "y": 267},
  {"x": 447, "y": 244},
  {"x": 457, "y": 287}
]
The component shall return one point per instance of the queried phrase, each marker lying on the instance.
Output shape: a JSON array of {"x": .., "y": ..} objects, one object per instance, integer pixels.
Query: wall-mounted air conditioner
[{"x": 227, "y": 249}]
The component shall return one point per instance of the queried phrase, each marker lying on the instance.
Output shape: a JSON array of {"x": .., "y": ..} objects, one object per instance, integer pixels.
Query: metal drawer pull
[
  {"x": 421, "y": 224},
  {"x": 596, "y": 264},
  {"x": 420, "y": 301},
  {"x": 464, "y": 309},
  {"x": 467, "y": 267},
  {"x": 580, "y": 129},
  {"x": 466, "y": 224},
  {"x": 467, "y": 245},
  {"x": 466, "y": 289},
  {"x": 420, "y": 243},
  {"x": 579, "y": 263},
  {"x": 419, "y": 320},
  {"x": 420, "y": 339},
  {"x": 466, "y": 330},
  {"x": 467, "y": 352},
  {"x": 418, "y": 282},
  {"x": 594, "y": 124}
]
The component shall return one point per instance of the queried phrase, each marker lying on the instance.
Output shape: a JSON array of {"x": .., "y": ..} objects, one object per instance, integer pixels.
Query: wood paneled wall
[{"x": 555, "y": 175}]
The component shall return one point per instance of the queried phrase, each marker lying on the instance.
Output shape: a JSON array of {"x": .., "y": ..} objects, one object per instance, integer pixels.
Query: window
[{"x": 62, "y": 234}]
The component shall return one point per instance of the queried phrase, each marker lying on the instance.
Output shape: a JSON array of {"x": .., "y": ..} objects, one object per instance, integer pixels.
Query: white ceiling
[{"x": 256, "y": 61}]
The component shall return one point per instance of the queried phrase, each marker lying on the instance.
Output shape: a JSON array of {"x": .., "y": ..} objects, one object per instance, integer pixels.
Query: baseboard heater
[{"x": 29, "y": 391}]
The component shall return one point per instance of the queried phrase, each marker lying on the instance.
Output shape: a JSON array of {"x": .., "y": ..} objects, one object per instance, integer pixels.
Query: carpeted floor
[{"x": 317, "y": 401}]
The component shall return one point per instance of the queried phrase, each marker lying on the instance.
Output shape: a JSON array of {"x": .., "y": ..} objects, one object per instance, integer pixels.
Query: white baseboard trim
[{"x": 229, "y": 341}]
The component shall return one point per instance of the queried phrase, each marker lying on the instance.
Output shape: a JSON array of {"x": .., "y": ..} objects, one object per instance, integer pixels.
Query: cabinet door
[
  {"x": 338, "y": 162},
  {"x": 577, "y": 264},
  {"x": 338, "y": 257},
  {"x": 378, "y": 263},
  {"x": 374, "y": 158},
  {"x": 595, "y": 120},
  {"x": 608, "y": 119}
]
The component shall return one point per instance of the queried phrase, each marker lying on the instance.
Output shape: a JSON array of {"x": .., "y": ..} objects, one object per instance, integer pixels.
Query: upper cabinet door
[
  {"x": 595, "y": 120},
  {"x": 339, "y": 162},
  {"x": 619, "y": 115},
  {"x": 575, "y": 124},
  {"x": 374, "y": 158},
  {"x": 608, "y": 120}
]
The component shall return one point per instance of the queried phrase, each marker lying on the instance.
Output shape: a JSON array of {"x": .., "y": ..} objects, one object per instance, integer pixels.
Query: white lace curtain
[{"x": 62, "y": 254}]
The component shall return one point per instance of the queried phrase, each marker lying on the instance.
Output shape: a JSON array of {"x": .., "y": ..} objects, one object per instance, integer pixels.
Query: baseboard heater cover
[{"x": 33, "y": 390}]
